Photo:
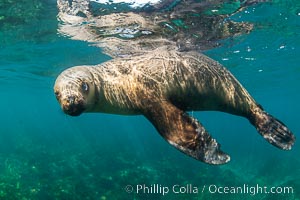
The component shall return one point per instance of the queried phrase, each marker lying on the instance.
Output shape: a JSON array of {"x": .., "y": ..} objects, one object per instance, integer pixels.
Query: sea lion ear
[{"x": 184, "y": 132}]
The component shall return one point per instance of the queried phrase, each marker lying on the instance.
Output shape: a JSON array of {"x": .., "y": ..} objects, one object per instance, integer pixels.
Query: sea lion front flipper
[{"x": 184, "y": 132}]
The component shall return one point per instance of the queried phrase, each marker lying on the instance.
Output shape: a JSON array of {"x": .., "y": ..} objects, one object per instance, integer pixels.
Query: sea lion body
[
  {"x": 191, "y": 81},
  {"x": 162, "y": 85}
]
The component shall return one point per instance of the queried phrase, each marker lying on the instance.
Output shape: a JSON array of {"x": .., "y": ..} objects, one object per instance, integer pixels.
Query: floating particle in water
[
  {"x": 281, "y": 47},
  {"x": 249, "y": 58}
]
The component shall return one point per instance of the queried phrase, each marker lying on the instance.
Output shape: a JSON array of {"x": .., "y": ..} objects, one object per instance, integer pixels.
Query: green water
[{"x": 45, "y": 154}]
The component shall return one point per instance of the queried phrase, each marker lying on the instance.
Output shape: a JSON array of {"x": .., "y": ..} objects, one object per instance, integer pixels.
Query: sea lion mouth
[
  {"x": 73, "y": 107},
  {"x": 74, "y": 110}
]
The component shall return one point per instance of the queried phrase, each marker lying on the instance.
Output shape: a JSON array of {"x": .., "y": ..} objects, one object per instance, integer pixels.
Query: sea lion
[{"x": 162, "y": 85}]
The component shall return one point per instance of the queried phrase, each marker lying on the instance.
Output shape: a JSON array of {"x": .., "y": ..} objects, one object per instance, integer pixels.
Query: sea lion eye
[
  {"x": 57, "y": 94},
  {"x": 85, "y": 87}
]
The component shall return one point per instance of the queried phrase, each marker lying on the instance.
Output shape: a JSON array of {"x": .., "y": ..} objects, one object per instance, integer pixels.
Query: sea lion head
[{"x": 75, "y": 90}]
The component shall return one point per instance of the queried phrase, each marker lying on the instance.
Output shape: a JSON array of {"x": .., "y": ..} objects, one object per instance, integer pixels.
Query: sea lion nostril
[
  {"x": 71, "y": 99},
  {"x": 72, "y": 105}
]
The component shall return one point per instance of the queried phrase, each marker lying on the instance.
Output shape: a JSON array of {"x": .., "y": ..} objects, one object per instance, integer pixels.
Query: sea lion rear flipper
[
  {"x": 273, "y": 130},
  {"x": 185, "y": 133}
]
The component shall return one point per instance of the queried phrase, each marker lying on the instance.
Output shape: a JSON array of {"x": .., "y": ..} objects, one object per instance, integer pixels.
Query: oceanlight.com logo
[
  {"x": 252, "y": 190},
  {"x": 212, "y": 189}
]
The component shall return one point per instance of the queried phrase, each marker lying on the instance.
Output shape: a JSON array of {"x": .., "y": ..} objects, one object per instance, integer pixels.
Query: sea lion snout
[{"x": 72, "y": 105}]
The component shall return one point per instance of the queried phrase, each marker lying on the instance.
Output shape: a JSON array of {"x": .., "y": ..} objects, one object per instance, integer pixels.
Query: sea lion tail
[{"x": 273, "y": 130}]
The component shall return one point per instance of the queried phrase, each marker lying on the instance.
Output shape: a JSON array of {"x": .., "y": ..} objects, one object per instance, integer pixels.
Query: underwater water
[{"x": 45, "y": 154}]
